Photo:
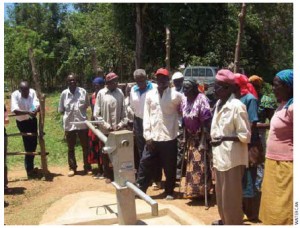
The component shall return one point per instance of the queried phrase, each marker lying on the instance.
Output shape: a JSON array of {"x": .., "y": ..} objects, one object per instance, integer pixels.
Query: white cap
[{"x": 177, "y": 75}]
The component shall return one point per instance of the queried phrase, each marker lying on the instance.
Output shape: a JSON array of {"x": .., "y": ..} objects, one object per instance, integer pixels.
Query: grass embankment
[{"x": 54, "y": 138}]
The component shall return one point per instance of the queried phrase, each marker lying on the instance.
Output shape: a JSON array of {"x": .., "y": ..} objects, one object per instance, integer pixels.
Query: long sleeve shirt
[
  {"x": 110, "y": 109},
  {"x": 232, "y": 120},
  {"x": 160, "y": 120},
  {"x": 24, "y": 104},
  {"x": 74, "y": 107}
]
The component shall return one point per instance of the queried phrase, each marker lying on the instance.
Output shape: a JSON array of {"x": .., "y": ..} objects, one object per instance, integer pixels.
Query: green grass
[{"x": 54, "y": 138}]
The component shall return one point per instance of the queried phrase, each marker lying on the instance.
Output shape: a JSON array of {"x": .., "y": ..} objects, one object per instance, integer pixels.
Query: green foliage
[{"x": 201, "y": 33}]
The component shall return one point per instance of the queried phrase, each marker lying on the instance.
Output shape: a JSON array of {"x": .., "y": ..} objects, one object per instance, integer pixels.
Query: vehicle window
[
  {"x": 201, "y": 72},
  {"x": 188, "y": 72},
  {"x": 195, "y": 72},
  {"x": 209, "y": 73}
]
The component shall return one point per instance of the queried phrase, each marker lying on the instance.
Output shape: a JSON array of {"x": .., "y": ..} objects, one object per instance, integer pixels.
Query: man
[
  {"x": 177, "y": 79},
  {"x": 73, "y": 105},
  {"x": 25, "y": 104},
  {"x": 160, "y": 132},
  {"x": 230, "y": 133},
  {"x": 109, "y": 109},
  {"x": 137, "y": 101}
]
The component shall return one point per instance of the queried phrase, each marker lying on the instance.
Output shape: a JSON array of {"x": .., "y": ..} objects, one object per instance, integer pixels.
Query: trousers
[
  {"x": 29, "y": 142},
  {"x": 164, "y": 155},
  {"x": 71, "y": 137}
]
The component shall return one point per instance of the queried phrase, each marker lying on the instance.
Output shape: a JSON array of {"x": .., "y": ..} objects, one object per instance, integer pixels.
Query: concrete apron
[{"x": 100, "y": 208}]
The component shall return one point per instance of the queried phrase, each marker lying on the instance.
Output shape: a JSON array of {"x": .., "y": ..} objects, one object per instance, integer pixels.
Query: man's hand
[
  {"x": 150, "y": 145},
  {"x": 32, "y": 113},
  {"x": 216, "y": 141},
  {"x": 118, "y": 128}
]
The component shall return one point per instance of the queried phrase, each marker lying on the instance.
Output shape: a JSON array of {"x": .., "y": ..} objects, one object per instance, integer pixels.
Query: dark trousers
[
  {"x": 139, "y": 141},
  {"x": 164, "y": 154},
  {"x": 29, "y": 142},
  {"x": 71, "y": 137},
  {"x": 5, "y": 166}
]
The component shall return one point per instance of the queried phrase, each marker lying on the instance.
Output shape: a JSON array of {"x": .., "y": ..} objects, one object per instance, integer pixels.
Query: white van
[{"x": 204, "y": 75}]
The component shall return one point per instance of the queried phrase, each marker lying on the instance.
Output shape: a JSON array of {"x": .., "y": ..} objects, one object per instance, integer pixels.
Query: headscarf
[
  {"x": 193, "y": 82},
  {"x": 256, "y": 80},
  {"x": 98, "y": 81},
  {"x": 245, "y": 86},
  {"x": 225, "y": 75},
  {"x": 287, "y": 76},
  {"x": 252, "y": 90}
]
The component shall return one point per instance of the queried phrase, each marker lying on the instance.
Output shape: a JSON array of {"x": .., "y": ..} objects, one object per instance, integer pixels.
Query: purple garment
[{"x": 195, "y": 113}]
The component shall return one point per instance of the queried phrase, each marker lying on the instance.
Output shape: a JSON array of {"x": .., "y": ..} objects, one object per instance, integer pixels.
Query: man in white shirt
[
  {"x": 230, "y": 134},
  {"x": 177, "y": 79},
  {"x": 73, "y": 105},
  {"x": 25, "y": 104},
  {"x": 160, "y": 123},
  {"x": 137, "y": 100}
]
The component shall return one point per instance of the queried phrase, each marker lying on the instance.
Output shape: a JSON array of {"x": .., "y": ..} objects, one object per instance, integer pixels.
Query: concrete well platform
[{"x": 100, "y": 208}]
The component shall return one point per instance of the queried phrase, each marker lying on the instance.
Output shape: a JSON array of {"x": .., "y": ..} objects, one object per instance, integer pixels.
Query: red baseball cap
[
  {"x": 162, "y": 71},
  {"x": 111, "y": 76}
]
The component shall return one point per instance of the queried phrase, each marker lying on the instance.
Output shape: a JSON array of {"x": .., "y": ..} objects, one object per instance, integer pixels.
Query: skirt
[
  {"x": 197, "y": 169},
  {"x": 276, "y": 205}
]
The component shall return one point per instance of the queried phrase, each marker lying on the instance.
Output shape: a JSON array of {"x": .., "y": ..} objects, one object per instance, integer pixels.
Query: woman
[
  {"x": 276, "y": 207},
  {"x": 250, "y": 193},
  {"x": 95, "y": 145},
  {"x": 196, "y": 117},
  {"x": 266, "y": 106}
]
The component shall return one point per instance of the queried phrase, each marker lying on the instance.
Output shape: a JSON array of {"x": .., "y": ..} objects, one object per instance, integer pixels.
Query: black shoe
[
  {"x": 6, "y": 204},
  {"x": 217, "y": 222}
]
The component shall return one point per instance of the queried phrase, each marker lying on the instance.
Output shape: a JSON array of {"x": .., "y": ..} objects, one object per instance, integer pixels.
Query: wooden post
[
  {"x": 41, "y": 97},
  {"x": 168, "y": 48},
  {"x": 242, "y": 16}
]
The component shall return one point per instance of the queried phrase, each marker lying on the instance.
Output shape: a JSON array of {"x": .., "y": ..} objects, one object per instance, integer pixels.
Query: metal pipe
[
  {"x": 144, "y": 196},
  {"x": 97, "y": 132}
]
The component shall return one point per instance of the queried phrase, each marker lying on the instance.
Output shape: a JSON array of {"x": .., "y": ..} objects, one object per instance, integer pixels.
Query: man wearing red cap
[
  {"x": 160, "y": 124},
  {"x": 109, "y": 109}
]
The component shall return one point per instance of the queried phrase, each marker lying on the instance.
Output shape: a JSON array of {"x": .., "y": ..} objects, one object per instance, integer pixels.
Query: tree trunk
[
  {"x": 242, "y": 16},
  {"x": 168, "y": 48},
  {"x": 94, "y": 60},
  {"x": 139, "y": 36}
]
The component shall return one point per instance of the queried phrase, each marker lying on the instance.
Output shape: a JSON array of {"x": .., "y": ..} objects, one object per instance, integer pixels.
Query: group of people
[
  {"x": 234, "y": 132},
  {"x": 174, "y": 123}
]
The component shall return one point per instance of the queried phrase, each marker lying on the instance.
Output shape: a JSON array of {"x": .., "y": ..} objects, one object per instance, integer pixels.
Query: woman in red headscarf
[{"x": 250, "y": 192}]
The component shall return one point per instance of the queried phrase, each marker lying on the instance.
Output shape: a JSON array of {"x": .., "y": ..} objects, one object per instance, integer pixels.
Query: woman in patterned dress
[{"x": 196, "y": 116}]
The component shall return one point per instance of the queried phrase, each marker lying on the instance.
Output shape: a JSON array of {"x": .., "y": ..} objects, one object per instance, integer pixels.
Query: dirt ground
[{"x": 29, "y": 199}]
